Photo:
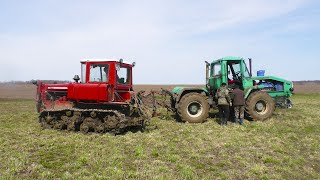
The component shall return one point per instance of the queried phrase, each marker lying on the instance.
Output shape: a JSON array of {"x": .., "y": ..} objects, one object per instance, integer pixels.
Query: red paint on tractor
[{"x": 102, "y": 101}]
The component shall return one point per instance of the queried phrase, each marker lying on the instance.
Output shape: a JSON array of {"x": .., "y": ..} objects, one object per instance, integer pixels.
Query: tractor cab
[
  {"x": 234, "y": 70},
  {"x": 235, "y": 74},
  {"x": 103, "y": 80},
  {"x": 107, "y": 71},
  {"x": 230, "y": 70}
]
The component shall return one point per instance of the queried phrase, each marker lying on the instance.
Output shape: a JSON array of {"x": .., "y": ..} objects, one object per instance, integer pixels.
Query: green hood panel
[{"x": 271, "y": 78}]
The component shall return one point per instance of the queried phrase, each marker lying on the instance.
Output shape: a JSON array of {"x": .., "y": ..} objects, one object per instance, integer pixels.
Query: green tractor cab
[{"x": 262, "y": 93}]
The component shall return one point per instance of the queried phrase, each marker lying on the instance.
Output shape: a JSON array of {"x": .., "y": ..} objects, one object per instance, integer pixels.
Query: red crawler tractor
[{"x": 103, "y": 101}]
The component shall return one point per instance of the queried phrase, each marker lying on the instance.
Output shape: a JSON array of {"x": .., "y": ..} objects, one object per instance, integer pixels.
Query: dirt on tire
[
  {"x": 185, "y": 104},
  {"x": 266, "y": 100}
]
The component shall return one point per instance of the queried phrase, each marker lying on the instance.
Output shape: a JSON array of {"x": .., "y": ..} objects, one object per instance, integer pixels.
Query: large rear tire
[
  {"x": 260, "y": 106},
  {"x": 193, "y": 108}
]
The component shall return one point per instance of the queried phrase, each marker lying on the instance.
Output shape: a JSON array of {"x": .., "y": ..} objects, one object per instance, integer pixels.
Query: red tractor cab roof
[{"x": 106, "y": 61}]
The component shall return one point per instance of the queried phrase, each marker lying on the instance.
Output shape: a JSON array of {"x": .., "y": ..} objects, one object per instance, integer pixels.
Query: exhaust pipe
[
  {"x": 207, "y": 73},
  {"x": 250, "y": 66},
  {"x": 34, "y": 82}
]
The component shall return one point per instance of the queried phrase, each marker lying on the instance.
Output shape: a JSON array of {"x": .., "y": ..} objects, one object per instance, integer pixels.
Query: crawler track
[{"x": 90, "y": 120}]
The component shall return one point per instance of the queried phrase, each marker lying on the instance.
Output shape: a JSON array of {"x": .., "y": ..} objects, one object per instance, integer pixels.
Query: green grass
[{"x": 285, "y": 147}]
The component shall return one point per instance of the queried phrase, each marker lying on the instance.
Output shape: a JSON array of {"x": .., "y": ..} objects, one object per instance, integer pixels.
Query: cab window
[
  {"x": 217, "y": 69},
  {"x": 123, "y": 75},
  {"x": 99, "y": 73}
]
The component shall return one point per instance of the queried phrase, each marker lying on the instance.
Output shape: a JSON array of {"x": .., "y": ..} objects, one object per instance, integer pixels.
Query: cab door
[
  {"x": 123, "y": 82},
  {"x": 218, "y": 74}
]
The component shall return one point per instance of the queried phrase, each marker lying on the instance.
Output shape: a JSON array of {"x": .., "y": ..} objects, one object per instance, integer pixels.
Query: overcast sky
[{"x": 168, "y": 39}]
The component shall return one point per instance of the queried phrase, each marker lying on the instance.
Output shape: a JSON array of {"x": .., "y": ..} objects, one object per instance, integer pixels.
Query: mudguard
[{"x": 179, "y": 92}]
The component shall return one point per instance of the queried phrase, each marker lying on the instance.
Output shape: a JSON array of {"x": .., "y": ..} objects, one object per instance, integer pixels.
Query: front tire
[
  {"x": 193, "y": 108},
  {"x": 260, "y": 106}
]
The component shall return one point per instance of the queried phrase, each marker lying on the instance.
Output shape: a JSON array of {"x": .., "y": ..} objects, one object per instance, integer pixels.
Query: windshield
[
  {"x": 235, "y": 70},
  {"x": 236, "y": 67},
  {"x": 99, "y": 73}
]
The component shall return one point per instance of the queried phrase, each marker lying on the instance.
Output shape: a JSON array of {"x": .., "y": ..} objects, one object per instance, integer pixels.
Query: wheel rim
[
  {"x": 261, "y": 107},
  {"x": 194, "y": 109},
  {"x": 84, "y": 128}
]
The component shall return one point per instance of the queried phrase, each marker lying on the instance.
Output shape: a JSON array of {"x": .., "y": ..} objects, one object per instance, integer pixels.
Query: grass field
[{"x": 285, "y": 147}]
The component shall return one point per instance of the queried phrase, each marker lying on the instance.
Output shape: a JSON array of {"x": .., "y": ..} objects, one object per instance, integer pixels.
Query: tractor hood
[
  {"x": 282, "y": 86},
  {"x": 271, "y": 78}
]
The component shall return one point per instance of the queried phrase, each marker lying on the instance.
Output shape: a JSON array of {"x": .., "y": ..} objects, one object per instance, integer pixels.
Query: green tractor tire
[
  {"x": 193, "y": 108},
  {"x": 260, "y": 106}
]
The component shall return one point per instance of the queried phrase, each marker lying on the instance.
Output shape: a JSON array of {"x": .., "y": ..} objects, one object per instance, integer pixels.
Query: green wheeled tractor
[{"x": 262, "y": 93}]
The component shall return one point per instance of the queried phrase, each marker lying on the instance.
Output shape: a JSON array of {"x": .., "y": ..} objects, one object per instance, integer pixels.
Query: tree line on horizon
[{"x": 31, "y": 82}]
